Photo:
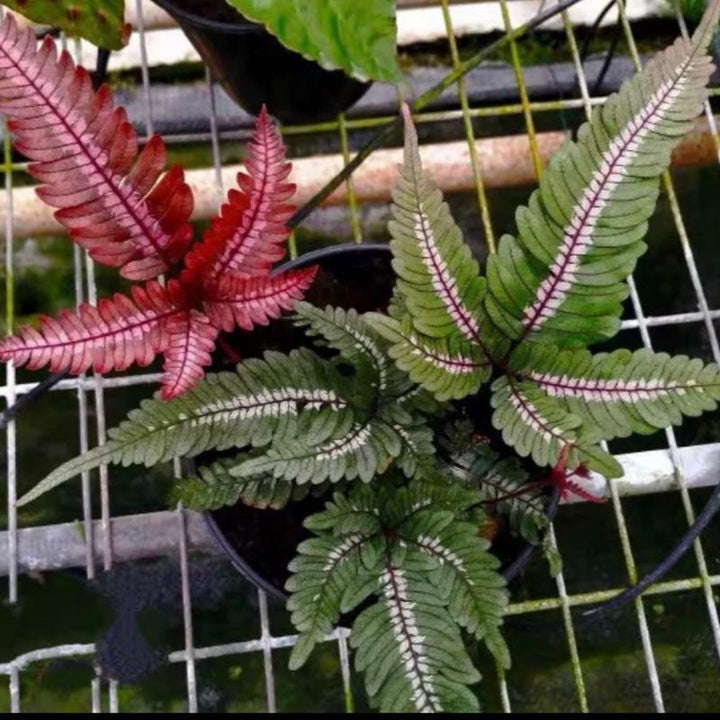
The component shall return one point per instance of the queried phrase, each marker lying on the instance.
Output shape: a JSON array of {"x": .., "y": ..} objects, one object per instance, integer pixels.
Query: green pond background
[{"x": 62, "y": 607}]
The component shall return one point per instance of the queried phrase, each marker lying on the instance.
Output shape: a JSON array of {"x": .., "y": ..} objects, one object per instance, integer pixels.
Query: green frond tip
[
  {"x": 622, "y": 392},
  {"x": 438, "y": 278},
  {"x": 249, "y": 407},
  {"x": 429, "y": 575},
  {"x": 563, "y": 278}
]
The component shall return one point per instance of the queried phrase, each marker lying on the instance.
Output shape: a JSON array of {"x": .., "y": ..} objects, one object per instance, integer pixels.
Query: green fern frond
[
  {"x": 346, "y": 332},
  {"x": 622, "y": 392},
  {"x": 410, "y": 650},
  {"x": 538, "y": 426},
  {"x": 214, "y": 487},
  {"x": 503, "y": 483},
  {"x": 366, "y": 449},
  {"x": 248, "y": 407},
  {"x": 563, "y": 279},
  {"x": 438, "y": 278},
  {"x": 430, "y": 574}
]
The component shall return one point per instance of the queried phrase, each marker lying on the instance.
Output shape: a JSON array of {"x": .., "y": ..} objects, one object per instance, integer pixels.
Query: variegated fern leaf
[
  {"x": 214, "y": 487},
  {"x": 559, "y": 284},
  {"x": 314, "y": 422},
  {"x": 622, "y": 392},
  {"x": 430, "y": 574},
  {"x": 249, "y": 407},
  {"x": 387, "y": 428}
]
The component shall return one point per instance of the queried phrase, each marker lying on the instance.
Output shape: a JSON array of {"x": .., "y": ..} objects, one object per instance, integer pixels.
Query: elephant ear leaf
[
  {"x": 99, "y": 21},
  {"x": 357, "y": 37},
  {"x": 562, "y": 280}
]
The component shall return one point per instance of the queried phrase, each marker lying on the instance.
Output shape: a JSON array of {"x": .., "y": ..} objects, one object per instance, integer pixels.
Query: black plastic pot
[
  {"x": 261, "y": 543},
  {"x": 255, "y": 68}
]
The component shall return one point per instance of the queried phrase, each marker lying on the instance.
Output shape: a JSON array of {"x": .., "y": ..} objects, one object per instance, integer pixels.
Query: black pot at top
[{"x": 255, "y": 68}]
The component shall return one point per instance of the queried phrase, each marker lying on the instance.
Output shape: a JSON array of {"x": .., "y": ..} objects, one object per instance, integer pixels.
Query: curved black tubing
[{"x": 693, "y": 533}]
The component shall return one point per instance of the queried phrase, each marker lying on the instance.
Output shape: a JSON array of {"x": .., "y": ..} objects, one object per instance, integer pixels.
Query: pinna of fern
[
  {"x": 558, "y": 286},
  {"x": 120, "y": 204}
]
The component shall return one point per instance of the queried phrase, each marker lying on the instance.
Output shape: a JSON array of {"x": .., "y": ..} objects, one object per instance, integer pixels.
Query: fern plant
[
  {"x": 119, "y": 204},
  {"x": 296, "y": 418},
  {"x": 400, "y": 528},
  {"x": 368, "y": 419},
  {"x": 558, "y": 286},
  {"x": 416, "y": 551}
]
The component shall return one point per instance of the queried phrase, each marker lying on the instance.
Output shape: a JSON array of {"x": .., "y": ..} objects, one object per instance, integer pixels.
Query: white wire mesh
[{"x": 95, "y": 386}]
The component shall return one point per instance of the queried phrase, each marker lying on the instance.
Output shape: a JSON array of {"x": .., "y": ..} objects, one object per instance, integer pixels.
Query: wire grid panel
[{"x": 90, "y": 392}]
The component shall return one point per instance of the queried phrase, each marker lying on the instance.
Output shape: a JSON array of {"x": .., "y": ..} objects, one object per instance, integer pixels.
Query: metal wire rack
[{"x": 181, "y": 531}]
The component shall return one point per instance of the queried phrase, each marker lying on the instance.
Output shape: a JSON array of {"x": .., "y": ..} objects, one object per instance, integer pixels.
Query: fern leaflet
[{"x": 429, "y": 573}]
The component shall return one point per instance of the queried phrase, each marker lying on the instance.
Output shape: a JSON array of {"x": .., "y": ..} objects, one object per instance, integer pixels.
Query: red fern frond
[
  {"x": 85, "y": 152},
  {"x": 191, "y": 341},
  {"x": 246, "y": 302},
  {"x": 249, "y": 235},
  {"x": 128, "y": 212},
  {"x": 119, "y": 332}
]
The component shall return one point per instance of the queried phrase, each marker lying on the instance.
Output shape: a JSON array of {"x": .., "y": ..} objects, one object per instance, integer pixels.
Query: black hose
[
  {"x": 526, "y": 554},
  {"x": 621, "y": 599},
  {"x": 30, "y": 397}
]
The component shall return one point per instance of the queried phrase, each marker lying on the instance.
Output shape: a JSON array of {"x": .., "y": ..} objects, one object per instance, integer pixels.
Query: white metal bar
[
  {"x": 191, "y": 677},
  {"x": 10, "y": 434},
  {"x": 83, "y": 430},
  {"x": 570, "y": 631},
  {"x": 144, "y": 68},
  {"x": 266, "y": 639},
  {"x": 345, "y": 670},
  {"x": 650, "y": 663}
]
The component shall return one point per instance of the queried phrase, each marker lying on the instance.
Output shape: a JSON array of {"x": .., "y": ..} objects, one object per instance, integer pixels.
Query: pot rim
[{"x": 242, "y": 27}]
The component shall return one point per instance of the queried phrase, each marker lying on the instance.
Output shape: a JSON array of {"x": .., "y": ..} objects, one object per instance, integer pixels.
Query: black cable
[
  {"x": 30, "y": 397},
  {"x": 608, "y": 58},
  {"x": 701, "y": 522},
  {"x": 593, "y": 30},
  {"x": 101, "y": 66},
  {"x": 526, "y": 554},
  {"x": 619, "y": 601}
]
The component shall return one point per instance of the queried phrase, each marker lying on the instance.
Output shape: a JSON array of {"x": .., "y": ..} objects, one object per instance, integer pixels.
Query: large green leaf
[
  {"x": 563, "y": 279},
  {"x": 99, "y": 21},
  {"x": 357, "y": 36}
]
